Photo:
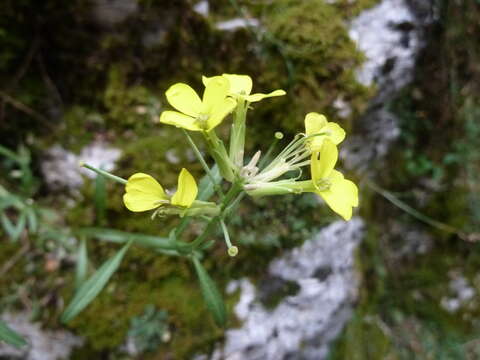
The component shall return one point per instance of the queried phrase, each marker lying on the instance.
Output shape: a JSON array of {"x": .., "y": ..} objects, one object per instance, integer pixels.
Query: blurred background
[{"x": 85, "y": 80}]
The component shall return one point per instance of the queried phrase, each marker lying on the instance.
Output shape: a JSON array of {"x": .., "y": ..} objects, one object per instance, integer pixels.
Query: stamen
[{"x": 202, "y": 119}]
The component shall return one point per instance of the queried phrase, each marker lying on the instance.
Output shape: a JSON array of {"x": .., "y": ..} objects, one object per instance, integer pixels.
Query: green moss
[
  {"x": 313, "y": 38},
  {"x": 145, "y": 278}
]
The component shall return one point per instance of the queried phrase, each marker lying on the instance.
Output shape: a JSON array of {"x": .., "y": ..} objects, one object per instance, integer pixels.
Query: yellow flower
[
  {"x": 143, "y": 192},
  {"x": 199, "y": 114},
  {"x": 241, "y": 87},
  {"x": 316, "y": 123},
  {"x": 339, "y": 193}
]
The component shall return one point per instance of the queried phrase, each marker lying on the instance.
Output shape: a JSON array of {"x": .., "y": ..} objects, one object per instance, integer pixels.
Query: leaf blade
[
  {"x": 211, "y": 295},
  {"x": 82, "y": 264},
  {"x": 92, "y": 287},
  {"x": 121, "y": 237},
  {"x": 10, "y": 336}
]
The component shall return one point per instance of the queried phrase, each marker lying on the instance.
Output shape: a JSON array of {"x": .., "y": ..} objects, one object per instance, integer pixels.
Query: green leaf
[
  {"x": 121, "y": 237},
  {"x": 92, "y": 287},
  {"x": 205, "y": 187},
  {"x": 32, "y": 220},
  {"x": 211, "y": 295},
  {"x": 82, "y": 264},
  {"x": 13, "y": 231},
  {"x": 9, "y": 154},
  {"x": 10, "y": 336}
]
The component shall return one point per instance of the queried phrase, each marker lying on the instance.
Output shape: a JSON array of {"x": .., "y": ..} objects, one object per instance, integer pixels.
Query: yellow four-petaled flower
[
  {"x": 143, "y": 192},
  {"x": 241, "y": 87},
  {"x": 199, "y": 114},
  {"x": 339, "y": 193},
  {"x": 317, "y": 124}
]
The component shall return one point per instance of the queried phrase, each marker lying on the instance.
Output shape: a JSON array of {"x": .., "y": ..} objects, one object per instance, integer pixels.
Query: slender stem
[
  {"x": 292, "y": 146},
  {"x": 234, "y": 191},
  {"x": 204, "y": 163},
  {"x": 272, "y": 146},
  {"x": 231, "y": 194},
  {"x": 234, "y": 204},
  {"x": 217, "y": 150},
  {"x": 413, "y": 212},
  {"x": 104, "y": 173},
  {"x": 200, "y": 238},
  {"x": 225, "y": 234},
  {"x": 237, "y": 143}
]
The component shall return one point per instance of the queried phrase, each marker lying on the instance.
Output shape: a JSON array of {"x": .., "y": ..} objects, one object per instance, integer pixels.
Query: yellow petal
[
  {"x": 186, "y": 190},
  {"x": 179, "y": 120},
  {"x": 314, "y": 122},
  {"x": 317, "y": 124},
  {"x": 215, "y": 92},
  {"x": 183, "y": 98},
  {"x": 322, "y": 164},
  {"x": 341, "y": 197},
  {"x": 239, "y": 84},
  {"x": 205, "y": 80},
  {"x": 142, "y": 193},
  {"x": 260, "y": 96},
  {"x": 220, "y": 111},
  {"x": 334, "y": 132}
]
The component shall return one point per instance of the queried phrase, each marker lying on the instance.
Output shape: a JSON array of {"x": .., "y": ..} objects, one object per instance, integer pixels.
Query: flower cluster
[
  {"x": 226, "y": 94},
  {"x": 263, "y": 175}
]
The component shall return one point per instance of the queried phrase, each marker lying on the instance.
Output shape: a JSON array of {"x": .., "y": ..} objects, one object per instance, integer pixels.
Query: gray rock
[
  {"x": 61, "y": 168},
  {"x": 303, "y": 324},
  {"x": 391, "y": 36},
  {"x": 42, "y": 344},
  {"x": 237, "y": 23}
]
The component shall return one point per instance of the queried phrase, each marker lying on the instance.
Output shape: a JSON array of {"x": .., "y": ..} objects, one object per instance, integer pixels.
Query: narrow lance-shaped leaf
[
  {"x": 32, "y": 220},
  {"x": 82, "y": 264},
  {"x": 92, "y": 287},
  {"x": 13, "y": 231},
  {"x": 211, "y": 295},
  {"x": 10, "y": 337},
  {"x": 121, "y": 237}
]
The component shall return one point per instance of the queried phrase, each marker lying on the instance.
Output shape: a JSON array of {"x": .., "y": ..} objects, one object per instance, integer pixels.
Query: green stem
[
  {"x": 234, "y": 204},
  {"x": 204, "y": 163},
  {"x": 199, "y": 240},
  {"x": 225, "y": 234},
  {"x": 415, "y": 213},
  {"x": 231, "y": 194},
  {"x": 266, "y": 157},
  {"x": 104, "y": 173},
  {"x": 237, "y": 139},
  {"x": 234, "y": 191},
  {"x": 219, "y": 153}
]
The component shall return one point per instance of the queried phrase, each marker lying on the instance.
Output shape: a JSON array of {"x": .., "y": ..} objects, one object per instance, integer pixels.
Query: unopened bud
[
  {"x": 233, "y": 251},
  {"x": 279, "y": 135}
]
